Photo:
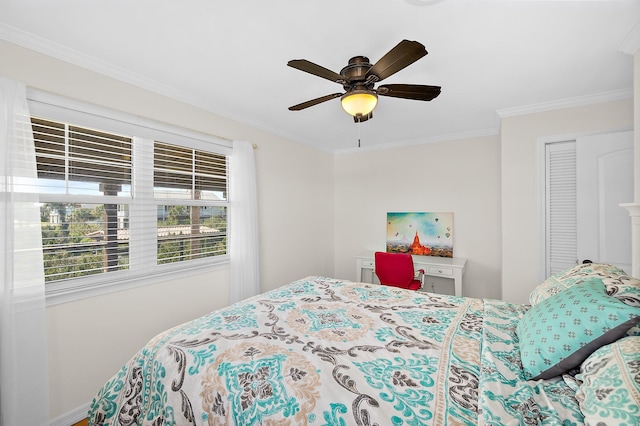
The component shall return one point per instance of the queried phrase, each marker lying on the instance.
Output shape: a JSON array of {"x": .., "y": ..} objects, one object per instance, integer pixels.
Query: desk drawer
[
  {"x": 367, "y": 263},
  {"x": 444, "y": 272}
]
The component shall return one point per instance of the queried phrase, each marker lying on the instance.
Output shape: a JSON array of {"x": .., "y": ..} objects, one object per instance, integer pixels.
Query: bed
[{"x": 324, "y": 351}]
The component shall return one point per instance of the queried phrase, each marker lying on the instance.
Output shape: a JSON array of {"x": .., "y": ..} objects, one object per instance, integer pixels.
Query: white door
[{"x": 604, "y": 180}]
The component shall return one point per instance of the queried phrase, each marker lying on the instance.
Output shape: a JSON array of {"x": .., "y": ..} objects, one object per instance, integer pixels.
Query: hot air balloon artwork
[{"x": 420, "y": 233}]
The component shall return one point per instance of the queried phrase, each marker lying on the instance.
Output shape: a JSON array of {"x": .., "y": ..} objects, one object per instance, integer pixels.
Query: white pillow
[{"x": 570, "y": 277}]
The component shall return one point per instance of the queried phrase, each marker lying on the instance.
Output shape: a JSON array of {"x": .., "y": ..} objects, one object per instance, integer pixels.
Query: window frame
[{"x": 55, "y": 107}]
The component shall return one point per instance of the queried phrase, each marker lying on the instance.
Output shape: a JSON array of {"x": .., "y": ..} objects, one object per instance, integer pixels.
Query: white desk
[{"x": 446, "y": 267}]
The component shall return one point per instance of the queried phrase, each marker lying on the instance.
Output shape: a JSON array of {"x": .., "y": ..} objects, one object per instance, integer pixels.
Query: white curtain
[
  {"x": 23, "y": 346},
  {"x": 243, "y": 235}
]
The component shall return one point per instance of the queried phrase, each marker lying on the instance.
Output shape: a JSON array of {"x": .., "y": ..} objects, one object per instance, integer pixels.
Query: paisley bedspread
[
  {"x": 321, "y": 351},
  {"x": 506, "y": 397}
]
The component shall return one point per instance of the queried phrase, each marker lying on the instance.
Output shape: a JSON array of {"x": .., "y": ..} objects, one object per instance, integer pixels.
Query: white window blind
[
  {"x": 561, "y": 206},
  {"x": 82, "y": 238},
  {"x": 77, "y": 160}
]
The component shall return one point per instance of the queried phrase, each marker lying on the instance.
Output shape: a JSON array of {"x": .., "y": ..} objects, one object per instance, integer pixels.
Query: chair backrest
[{"x": 395, "y": 269}]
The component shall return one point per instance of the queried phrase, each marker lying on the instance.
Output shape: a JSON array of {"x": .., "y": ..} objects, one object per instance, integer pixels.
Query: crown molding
[
  {"x": 596, "y": 98},
  {"x": 54, "y": 50},
  {"x": 57, "y": 51},
  {"x": 631, "y": 44}
]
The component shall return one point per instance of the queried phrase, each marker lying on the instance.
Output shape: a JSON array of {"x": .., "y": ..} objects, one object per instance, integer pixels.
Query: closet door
[
  {"x": 561, "y": 207},
  {"x": 605, "y": 180},
  {"x": 586, "y": 180}
]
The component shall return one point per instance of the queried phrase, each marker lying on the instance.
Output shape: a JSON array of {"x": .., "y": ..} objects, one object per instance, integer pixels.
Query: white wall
[
  {"x": 462, "y": 177},
  {"x": 90, "y": 339},
  {"x": 519, "y": 139},
  {"x": 636, "y": 125},
  {"x": 295, "y": 188}
]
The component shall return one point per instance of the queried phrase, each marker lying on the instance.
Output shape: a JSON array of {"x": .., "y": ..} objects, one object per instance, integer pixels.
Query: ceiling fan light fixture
[{"x": 359, "y": 102}]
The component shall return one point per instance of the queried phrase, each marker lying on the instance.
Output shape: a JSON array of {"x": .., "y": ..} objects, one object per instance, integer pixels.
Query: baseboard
[{"x": 71, "y": 417}]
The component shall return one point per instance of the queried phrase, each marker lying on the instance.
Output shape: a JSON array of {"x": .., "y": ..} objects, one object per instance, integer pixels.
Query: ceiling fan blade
[
  {"x": 315, "y": 69},
  {"x": 418, "y": 92},
  {"x": 313, "y": 102},
  {"x": 404, "y": 54}
]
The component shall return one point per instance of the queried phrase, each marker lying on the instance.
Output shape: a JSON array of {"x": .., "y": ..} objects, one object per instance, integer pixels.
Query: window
[
  {"x": 189, "y": 229},
  {"x": 122, "y": 201},
  {"x": 81, "y": 238}
]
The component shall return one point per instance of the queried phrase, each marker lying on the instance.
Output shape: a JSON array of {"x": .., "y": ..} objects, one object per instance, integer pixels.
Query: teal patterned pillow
[
  {"x": 610, "y": 389},
  {"x": 560, "y": 332},
  {"x": 569, "y": 277}
]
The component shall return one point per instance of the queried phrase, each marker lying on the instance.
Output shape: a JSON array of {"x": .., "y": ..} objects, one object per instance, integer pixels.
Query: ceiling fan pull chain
[{"x": 358, "y": 126}]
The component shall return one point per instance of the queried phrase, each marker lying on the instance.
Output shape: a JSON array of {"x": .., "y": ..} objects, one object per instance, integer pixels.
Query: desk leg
[
  {"x": 358, "y": 270},
  {"x": 457, "y": 282}
]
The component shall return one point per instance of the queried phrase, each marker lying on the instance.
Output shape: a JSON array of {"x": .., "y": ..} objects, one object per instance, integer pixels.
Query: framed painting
[{"x": 420, "y": 233}]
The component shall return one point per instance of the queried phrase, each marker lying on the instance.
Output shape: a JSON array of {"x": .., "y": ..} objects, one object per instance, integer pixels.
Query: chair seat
[{"x": 414, "y": 285}]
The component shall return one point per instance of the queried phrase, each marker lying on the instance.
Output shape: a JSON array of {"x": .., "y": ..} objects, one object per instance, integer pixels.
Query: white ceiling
[{"x": 230, "y": 56}]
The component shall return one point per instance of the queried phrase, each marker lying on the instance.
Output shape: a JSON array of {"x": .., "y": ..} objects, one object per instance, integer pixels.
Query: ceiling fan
[{"x": 359, "y": 77}]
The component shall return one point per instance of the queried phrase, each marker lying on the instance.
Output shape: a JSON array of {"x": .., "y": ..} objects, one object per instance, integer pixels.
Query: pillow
[
  {"x": 610, "y": 389},
  {"x": 624, "y": 288},
  {"x": 560, "y": 332},
  {"x": 634, "y": 331},
  {"x": 569, "y": 277}
]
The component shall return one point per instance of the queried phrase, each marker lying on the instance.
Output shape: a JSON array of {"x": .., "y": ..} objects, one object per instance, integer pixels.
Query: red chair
[{"x": 396, "y": 270}]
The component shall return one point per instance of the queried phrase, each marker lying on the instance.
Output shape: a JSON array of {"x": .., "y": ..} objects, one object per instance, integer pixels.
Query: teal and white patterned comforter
[{"x": 321, "y": 351}]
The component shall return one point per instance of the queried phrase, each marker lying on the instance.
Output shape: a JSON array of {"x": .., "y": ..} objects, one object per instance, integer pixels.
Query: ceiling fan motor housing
[{"x": 355, "y": 74}]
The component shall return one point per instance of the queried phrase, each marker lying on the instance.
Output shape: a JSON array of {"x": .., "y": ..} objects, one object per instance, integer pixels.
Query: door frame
[{"x": 541, "y": 204}]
